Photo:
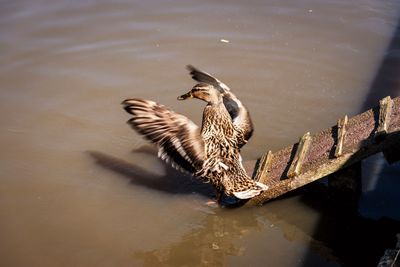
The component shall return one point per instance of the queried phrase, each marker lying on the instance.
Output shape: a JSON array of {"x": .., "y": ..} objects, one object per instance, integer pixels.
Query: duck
[{"x": 210, "y": 152}]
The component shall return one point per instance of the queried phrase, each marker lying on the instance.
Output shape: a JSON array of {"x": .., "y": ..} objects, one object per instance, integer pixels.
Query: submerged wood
[{"x": 320, "y": 160}]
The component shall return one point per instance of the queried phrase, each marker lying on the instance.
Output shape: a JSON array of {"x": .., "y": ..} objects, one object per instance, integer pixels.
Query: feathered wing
[
  {"x": 205, "y": 77},
  {"x": 177, "y": 137},
  {"x": 238, "y": 112}
]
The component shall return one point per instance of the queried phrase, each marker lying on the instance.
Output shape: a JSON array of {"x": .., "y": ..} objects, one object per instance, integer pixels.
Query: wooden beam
[
  {"x": 385, "y": 110},
  {"x": 319, "y": 160},
  {"x": 264, "y": 165},
  {"x": 341, "y": 125},
  {"x": 300, "y": 155}
]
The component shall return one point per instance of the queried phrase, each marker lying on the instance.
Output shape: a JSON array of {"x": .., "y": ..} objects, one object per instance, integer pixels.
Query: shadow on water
[
  {"x": 172, "y": 182},
  {"x": 355, "y": 239}
]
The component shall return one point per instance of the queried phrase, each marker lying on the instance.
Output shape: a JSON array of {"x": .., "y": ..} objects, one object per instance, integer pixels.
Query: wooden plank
[
  {"x": 341, "y": 125},
  {"x": 320, "y": 160},
  {"x": 300, "y": 155},
  {"x": 385, "y": 110},
  {"x": 262, "y": 171}
]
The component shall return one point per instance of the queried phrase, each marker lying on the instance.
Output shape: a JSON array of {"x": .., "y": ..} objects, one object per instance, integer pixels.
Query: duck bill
[{"x": 185, "y": 96}]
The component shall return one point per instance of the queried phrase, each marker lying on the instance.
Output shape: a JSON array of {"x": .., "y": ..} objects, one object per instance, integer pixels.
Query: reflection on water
[
  {"x": 209, "y": 245},
  {"x": 222, "y": 238},
  {"x": 73, "y": 193}
]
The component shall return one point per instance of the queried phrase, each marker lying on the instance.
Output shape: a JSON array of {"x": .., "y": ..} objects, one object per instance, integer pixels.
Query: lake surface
[{"x": 78, "y": 187}]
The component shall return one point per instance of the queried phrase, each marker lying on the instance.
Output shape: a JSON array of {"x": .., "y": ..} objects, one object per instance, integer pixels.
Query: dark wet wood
[
  {"x": 344, "y": 186},
  {"x": 392, "y": 154},
  {"x": 360, "y": 142},
  {"x": 391, "y": 257}
]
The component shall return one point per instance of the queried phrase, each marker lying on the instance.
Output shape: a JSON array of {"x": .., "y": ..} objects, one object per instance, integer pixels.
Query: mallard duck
[{"x": 211, "y": 153}]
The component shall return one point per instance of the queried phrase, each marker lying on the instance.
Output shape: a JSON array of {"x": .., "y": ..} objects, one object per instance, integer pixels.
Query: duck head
[{"x": 203, "y": 91}]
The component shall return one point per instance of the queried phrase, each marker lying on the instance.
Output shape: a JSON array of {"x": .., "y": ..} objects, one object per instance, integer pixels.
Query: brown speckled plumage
[{"x": 213, "y": 153}]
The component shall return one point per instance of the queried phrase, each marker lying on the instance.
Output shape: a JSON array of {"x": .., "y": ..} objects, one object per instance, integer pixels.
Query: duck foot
[{"x": 212, "y": 203}]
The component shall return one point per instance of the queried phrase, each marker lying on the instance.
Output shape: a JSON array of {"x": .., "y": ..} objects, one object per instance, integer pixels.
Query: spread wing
[
  {"x": 204, "y": 77},
  {"x": 238, "y": 112},
  {"x": 178, "y": 138}
]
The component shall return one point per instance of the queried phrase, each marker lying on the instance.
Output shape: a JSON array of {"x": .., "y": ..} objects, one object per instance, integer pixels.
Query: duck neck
[
  {"x": 215, "y": 100},
  {"x": 215, "y": 114}
]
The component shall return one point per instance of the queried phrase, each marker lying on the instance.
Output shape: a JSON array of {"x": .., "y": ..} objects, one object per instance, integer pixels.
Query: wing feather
[
  {"x": 178, "y": 138},
  {"x": 205, "y": 77}
]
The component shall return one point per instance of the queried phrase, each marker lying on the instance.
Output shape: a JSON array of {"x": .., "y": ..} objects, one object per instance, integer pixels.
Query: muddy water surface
[{"x": 79, "y": 188}]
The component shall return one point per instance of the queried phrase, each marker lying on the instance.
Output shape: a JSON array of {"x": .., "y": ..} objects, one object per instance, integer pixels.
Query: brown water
[{"x": 79, "y": 188}]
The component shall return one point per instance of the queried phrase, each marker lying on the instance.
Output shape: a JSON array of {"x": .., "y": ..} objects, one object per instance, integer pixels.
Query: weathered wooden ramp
[{"x": 316, "y": 156}]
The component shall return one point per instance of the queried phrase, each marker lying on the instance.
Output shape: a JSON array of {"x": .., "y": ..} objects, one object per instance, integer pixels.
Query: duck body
[
  {"x": 211, "y": 153},
  {"x": 222, "y": 165}
]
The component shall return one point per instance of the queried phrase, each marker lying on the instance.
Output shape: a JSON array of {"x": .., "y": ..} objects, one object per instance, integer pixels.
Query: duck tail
[{"x": 253, "y": 191}]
